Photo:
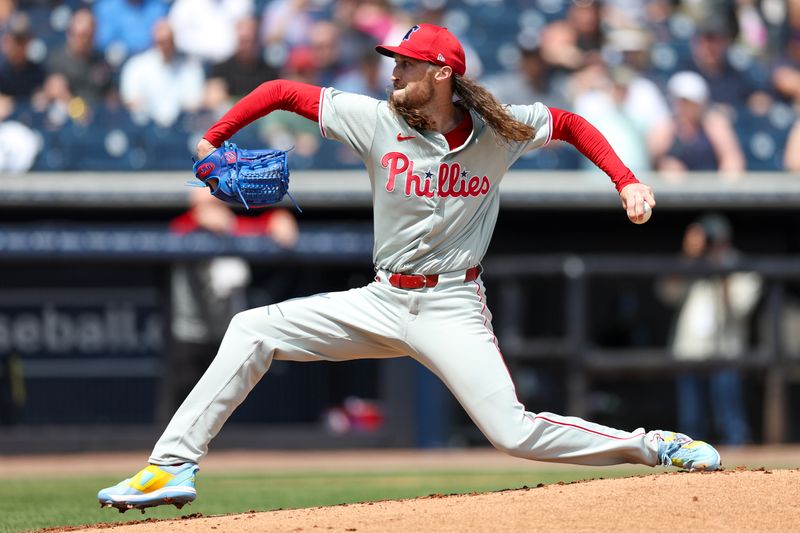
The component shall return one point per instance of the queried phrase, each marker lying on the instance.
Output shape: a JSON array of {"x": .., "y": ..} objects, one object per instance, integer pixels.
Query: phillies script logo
[{"x": 451, "y": 181}]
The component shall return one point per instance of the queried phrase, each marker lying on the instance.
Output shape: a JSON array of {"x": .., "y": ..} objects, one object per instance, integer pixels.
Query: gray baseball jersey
[{"x": 434, "y": 208}]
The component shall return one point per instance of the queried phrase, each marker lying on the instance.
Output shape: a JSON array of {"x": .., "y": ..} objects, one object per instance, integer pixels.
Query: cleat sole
[{"x": 178, "y": 502}]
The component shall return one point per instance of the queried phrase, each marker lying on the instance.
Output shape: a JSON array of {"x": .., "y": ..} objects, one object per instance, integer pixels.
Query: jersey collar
[{"x": 478, "y": 125}]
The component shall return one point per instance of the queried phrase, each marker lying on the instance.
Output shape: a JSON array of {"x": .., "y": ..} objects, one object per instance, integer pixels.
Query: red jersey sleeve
[
  {"x": 577, "y": 131},
  {"x": 297, "y": 97}
]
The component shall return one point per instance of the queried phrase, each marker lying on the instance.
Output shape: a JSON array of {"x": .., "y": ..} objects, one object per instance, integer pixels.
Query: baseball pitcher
[{"x": 435, "y": 153}]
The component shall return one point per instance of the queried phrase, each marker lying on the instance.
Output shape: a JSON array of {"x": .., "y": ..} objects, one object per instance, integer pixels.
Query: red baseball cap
[{"x": 430, "y": 43}]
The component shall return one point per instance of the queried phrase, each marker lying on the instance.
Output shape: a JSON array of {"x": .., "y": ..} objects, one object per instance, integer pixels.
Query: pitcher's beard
[{"x": 409, "y": 106}]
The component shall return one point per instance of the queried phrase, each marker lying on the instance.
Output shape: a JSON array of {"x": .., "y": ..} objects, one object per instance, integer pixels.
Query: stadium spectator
[
  {"x": 433, "y": 13},
  {"x": 286, "y": 23},
  {"x": 657, "y": 18},
  {"x": 206, "y": 29},
  {"x": 601, "y": 99},
  {"x": 558, "y": 45},
  {"x": 699, "y": 137},
  {"x": 573, "y": 42},
  {"x": 284, "y": 129},
  {"x": 19, "y": 76},
  {"x": 300, "y": 65},
  {"x": 124, "y": 27},
  {"x": 377, "y": 18},
  {"x": 791, "y": 158},
  {"x": 88, "y": 75},
  {"x": 584, "y": 18},
  {"x": 352, "y": 40},
  {"x": 204, "y": 295},
  {"x": 18, "y": 143},
  {"x": 365, "y": 78},
  {"x": 324, "y": 45},
  {"x": 533, "y": 80},
  {"x": 382, "y": 22},
  {"x": 617, "y": 15},
  {"x": 246, "y": 69},
  {"x": 709, "y": 53},
  {"x": 753, "y": 29},
  {"x": 701, "y": 11},
  {"x": 52, "y": 102},
  {"x": 7, "y": 9},
  {"x": 786, "y": 74},
  {"x": 630, "y": 75},
  {"x": 712, "y": 322},
  {"x": 629, "y": 46},
  {"x": 160, "y": 83}
]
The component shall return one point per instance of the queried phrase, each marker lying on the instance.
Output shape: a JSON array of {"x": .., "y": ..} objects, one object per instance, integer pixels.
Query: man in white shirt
[{"x": 160, "y": 83}]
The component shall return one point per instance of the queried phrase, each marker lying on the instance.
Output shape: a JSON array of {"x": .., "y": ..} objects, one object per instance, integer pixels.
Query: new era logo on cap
[{"x": 430, "y": 43}]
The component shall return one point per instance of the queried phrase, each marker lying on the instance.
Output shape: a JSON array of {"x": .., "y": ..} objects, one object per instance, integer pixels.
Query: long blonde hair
[{"x": 473, "y": 96}]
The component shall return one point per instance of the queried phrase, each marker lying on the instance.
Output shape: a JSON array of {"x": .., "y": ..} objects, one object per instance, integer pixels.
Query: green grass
[{"x": 30, "y": 504}]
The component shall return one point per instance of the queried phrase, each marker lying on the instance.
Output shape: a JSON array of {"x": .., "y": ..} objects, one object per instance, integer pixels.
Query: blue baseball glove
[{"x": 252, "y": 178}]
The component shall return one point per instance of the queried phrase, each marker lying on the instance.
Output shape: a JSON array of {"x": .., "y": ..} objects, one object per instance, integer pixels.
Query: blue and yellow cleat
[
  {"x": 152, "y": 486},
  {"x": 677, "y": 449}
]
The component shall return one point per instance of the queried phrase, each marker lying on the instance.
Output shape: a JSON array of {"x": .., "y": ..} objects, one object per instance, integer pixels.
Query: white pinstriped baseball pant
[{"x": 447, "y": 328}]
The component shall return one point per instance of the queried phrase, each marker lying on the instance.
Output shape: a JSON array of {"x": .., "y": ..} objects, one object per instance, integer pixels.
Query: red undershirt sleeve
[
  {"x": 577, "y": 131},
  {"x": 297, "y": 97}
]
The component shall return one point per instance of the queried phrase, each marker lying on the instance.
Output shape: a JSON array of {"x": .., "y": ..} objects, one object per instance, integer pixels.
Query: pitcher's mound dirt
[{"x": 737, "y": 500}]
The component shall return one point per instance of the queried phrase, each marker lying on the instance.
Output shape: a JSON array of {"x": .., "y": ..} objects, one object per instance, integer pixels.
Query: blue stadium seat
[
  {"x": 559, "y": 156},
  {"x": 40, "y": 19},
  {"x": 108, "y": 140},
  {"x": 25, "y": 114},
  {"x": 763, "y": 138},
  {"x": 168, "y": 147},
  {"x": 668, "y": 58},
  {"x": 52, "y": 156},
  {"x": 249, "y": 137},
  {"x": 330, "y": 156}
]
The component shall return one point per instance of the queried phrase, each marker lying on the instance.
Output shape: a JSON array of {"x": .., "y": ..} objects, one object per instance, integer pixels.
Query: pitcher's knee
[
  {"x": 248, "y": 330},
  {"x": 509, "y": 444},
  {"x": 247, "y": 322},
  {"x": 249, "y": 333}
]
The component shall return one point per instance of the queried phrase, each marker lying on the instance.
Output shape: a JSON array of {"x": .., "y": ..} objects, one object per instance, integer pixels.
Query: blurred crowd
[{"x": 675, "y": 85}]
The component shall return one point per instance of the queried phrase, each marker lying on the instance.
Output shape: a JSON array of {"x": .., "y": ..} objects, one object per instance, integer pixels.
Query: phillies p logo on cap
[
  {"x": 434, "y": 44},
  {"x": 407, "y": 36}
]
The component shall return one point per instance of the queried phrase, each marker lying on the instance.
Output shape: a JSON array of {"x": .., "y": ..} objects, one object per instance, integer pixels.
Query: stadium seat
[
  {"x": 52, "y": 156},
  {"x": 168, "y": 146},
  {"x": 763, "y": 137},
  {"x": 556, "y": 157}
]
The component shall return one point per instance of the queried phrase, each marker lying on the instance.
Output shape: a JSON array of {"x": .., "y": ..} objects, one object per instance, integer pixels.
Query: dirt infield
[
  {"x": 751, "y": 494},
  {"x": 735, "y": 500}
]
